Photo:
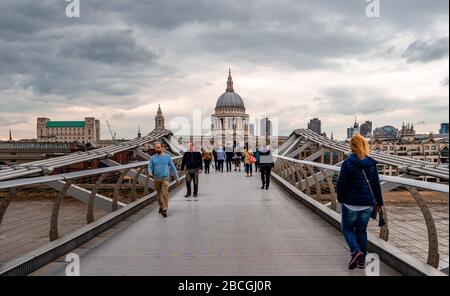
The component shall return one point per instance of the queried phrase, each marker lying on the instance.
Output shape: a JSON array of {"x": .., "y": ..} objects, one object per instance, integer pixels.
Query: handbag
[
  {"x": 252, "y": 159},
  {"x": 374, "y": 213}
]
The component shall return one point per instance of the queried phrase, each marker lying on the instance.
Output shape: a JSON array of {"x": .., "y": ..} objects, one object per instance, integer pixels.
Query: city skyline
[{"x": 305, "y": 60}]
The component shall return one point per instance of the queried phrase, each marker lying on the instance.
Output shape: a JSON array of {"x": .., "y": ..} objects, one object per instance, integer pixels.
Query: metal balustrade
[
  {"x": 314, "y": 179},
  {"x": 118, "y": 179},
  {"x": 47, "y": 166}
]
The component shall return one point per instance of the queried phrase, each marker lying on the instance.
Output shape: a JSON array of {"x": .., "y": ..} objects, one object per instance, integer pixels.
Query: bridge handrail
[
  {"x": 444, "y": 188},
  {"x": 65, "y": 185},
  {"x": 48, "y": 165},
  {"x": 311, "y": 178},
  {"x": 74, "y": 175}
]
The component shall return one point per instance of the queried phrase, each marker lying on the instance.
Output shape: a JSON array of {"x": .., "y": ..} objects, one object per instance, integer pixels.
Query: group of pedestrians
[
  {"x": 259, "y": 159},
  {"x": 227, "y": 158},
  {"x": 358, "y": 187},
  {"x": 193, "y": 163}
]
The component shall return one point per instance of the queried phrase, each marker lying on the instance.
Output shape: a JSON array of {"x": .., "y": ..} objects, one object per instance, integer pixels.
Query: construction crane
[{"x": 113, "y": 134}]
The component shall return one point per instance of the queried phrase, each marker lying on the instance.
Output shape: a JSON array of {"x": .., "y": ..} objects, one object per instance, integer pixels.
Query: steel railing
[
  {"x": 314, "y": 179},
  {"x": 117, "y": 179}
]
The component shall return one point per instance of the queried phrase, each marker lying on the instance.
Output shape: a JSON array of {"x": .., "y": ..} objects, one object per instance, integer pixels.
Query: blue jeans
[{"x": 354, "y": 229}]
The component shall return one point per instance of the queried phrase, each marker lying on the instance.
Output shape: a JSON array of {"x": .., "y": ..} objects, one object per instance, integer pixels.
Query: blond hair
[{"x": 359, "y": 146}]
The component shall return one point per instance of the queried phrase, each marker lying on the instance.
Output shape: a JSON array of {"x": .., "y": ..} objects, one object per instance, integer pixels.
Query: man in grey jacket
[{"x": 266, "y": 164}]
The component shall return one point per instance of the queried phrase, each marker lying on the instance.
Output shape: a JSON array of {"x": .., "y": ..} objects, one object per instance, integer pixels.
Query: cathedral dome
[{"x": 230, "y": 99}]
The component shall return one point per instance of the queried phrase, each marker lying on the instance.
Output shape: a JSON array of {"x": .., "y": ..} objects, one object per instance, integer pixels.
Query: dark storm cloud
[
  {"x": 76, "y": 66},
  {"x": 119, "y": 47},
  {"x": 301, "y": 48},
  {"x": 111, "y": 47},
  {"x": 427, "y": 50},
  {"x": 365, "y": 100},
  {"x": 69, "y": 57}
]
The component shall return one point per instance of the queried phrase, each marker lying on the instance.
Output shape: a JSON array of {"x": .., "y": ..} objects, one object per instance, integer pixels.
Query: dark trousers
[
  {"x": 192, "y": 176},
  {"x": 207, "y": 165},
  {"x": 229, "y": 164},
  {"x": 249, "y": 168},
  {"x": 220, "y": 165},
  {"x": 257, "y": 166},
  {"x": 216, "y": 164},
  {"x": 265, "y": 175}
]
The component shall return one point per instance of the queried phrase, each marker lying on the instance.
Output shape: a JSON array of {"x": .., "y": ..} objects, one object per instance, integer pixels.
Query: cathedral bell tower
[{"x": 159, "y": 120}]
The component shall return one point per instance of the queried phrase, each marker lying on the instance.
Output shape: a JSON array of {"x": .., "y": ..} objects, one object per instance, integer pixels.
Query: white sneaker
[
  {"x": 189, "y": 198},
  {"x": 195, "y": 198}
]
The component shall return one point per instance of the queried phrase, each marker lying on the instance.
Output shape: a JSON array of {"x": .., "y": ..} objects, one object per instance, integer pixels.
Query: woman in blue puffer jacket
[{"x": 358, "y": 191}]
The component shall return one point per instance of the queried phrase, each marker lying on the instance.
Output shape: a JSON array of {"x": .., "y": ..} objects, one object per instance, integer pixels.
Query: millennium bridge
[{"x": 105, "y": 212}]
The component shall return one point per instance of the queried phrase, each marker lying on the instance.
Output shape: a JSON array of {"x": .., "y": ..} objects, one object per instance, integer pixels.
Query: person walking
[
  {"x": 359, "y": 192},
  {"x": 237, "y": 161},
  {"x": 216, "y": 162},
  {"x": 159, "y": 168},
  {"x": 207, "y": 157},
  {"x": 257, "y": 157},
  {"x": 248, "y": 155},
  {"x": 221, "y": 157},
  {"x": 229, "y": 151},
  {"x": 266, "y": 165},
  {"x": 192, "y": 161}
]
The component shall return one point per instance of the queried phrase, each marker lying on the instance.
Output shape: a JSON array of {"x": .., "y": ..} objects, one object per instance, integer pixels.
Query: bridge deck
[{"x": 234, "y": 229}]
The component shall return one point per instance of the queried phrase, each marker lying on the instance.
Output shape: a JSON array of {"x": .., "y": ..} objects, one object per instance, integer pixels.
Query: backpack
[{"x": 207, "y": 156}]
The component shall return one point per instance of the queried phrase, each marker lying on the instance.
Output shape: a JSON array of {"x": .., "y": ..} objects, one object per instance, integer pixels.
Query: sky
[{"x": 291, "y": 60}]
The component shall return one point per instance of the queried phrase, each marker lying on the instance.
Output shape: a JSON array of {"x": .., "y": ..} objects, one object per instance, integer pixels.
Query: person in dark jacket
[
  {"x": 358, "y": 191},
  {"x": 266, "y": 165},
  {"x": 229, "y": 151},
  {"x": 216, "y": 161},
  {"x": 193, "y": 162}
]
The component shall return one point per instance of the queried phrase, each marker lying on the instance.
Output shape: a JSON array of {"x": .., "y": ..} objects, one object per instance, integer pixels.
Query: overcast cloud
[{"x": 291, "y": 59}]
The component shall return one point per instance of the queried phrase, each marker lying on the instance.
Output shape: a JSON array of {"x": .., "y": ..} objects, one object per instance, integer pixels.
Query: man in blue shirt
[{"x": 159, "y": 168}]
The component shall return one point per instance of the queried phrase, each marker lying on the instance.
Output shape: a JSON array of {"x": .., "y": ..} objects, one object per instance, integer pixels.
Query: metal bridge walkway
[{"x": 234, "y": 229}]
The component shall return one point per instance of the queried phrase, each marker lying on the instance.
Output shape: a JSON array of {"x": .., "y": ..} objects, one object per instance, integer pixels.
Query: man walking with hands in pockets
[
  {"x": 159, "y": 168},
  {"x": 192, "y": 161}
]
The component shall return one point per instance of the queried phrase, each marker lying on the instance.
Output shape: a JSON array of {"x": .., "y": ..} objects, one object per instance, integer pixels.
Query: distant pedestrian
[
  {"x": 221, "y": 157},
  {"x": 266, "y": 165},
  {"x": 249, "y": 159},
  {"x": 229, "y": 151},
  {"x": 192, "y": 161},
  {"x": 216, "y": 162},
  {"x": 359, "y": 191},
  {"x": 207, "y": 157},
  {"x": 159, "y": 168},
  {"x": 257, "y": 157},
  {"x": 237, "y": 161}
]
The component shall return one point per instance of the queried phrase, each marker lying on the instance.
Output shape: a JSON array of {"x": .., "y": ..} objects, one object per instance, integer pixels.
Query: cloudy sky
[{"x": 291, "y": 59}]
